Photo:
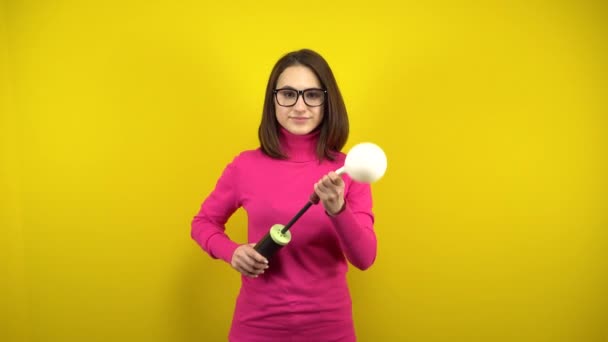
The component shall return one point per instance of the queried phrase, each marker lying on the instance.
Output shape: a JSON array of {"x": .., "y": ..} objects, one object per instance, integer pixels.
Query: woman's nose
[{"x": 300, "y": 105}]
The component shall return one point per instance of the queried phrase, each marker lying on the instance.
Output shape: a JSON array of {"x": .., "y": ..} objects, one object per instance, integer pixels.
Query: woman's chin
[{"x": 299, "y": 129}]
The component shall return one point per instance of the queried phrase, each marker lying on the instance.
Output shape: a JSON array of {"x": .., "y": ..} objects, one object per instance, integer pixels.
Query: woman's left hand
[{"x": 330, "y": 190}]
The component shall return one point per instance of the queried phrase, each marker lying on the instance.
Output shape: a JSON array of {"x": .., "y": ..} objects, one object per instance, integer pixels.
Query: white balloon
[{"x": 365, "y": 163}]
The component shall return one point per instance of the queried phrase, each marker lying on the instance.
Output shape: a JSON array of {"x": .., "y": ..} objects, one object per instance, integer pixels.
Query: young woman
[{"x": 301, "y": 294}]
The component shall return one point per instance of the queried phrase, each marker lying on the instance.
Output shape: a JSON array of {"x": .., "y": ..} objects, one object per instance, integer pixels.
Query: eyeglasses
[{"x": 313, "y": 97}]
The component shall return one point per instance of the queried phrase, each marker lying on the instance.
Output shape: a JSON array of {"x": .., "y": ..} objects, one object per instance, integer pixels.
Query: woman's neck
[{"x": 299, "y": 148}]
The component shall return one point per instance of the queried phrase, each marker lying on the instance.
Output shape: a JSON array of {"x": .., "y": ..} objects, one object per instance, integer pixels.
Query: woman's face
[{"x": 300, "y": 118}]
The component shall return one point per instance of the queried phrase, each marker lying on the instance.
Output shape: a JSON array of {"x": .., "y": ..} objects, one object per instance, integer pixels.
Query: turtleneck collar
[{"x": 299, "y": 148}]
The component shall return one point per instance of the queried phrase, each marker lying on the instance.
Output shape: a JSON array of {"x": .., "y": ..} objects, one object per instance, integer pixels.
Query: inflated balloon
[{"x": 365, "y": 163}]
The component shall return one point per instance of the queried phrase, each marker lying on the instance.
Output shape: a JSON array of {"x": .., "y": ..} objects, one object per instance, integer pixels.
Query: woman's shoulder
[{"x": 248, "y": 156}]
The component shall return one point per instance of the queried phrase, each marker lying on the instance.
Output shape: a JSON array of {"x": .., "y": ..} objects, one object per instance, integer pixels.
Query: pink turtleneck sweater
[{"x": 303, "y": 295}]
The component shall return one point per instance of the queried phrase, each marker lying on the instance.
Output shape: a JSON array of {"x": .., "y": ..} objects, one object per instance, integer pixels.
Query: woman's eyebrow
[{"x": 292, "y": 88}]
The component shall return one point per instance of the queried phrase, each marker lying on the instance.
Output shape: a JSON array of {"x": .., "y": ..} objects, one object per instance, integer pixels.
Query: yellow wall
[{"x": 117, "y": 118}]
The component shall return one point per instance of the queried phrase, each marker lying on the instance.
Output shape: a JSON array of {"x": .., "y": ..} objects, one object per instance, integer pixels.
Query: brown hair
[{"x": 333, "y": 128}]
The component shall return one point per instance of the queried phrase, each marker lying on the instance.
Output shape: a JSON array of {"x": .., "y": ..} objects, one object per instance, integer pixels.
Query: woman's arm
[
  {"x": 208, "y": 226},
  {"x": 351, "y": 215},
  {"x": 355, "y": 226}
]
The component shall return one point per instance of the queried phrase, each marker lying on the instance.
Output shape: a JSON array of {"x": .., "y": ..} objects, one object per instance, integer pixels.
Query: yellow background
[{"x": 117, "y": 118}]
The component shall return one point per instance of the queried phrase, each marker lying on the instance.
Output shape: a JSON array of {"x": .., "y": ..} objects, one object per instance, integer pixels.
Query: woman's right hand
[{"x": 248, "y": 261}]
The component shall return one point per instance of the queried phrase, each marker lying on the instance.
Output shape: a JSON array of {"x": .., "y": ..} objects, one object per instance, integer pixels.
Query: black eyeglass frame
[{"x": 298, "y": 94}]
